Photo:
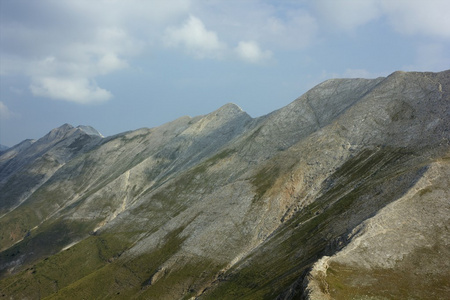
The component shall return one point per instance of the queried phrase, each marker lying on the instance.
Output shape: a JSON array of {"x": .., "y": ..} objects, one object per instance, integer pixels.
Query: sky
[{"x": 123, "y": 65}]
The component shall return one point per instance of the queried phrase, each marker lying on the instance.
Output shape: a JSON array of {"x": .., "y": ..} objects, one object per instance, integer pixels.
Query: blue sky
[{"x": 123, "y": 65}]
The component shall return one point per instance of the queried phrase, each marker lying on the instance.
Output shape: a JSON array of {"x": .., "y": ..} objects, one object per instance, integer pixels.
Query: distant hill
[
  {"x": 342, "y": 194},
  {"x": 3, "y": 148}
]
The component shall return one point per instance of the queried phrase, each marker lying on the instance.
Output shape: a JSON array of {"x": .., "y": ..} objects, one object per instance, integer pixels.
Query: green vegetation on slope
[
  {"x": 264, "y": 180},
  {"x": 57, "y": 271},
  {"x": 141, "y": 276},
  {"x": 357, "y": 190},
  {"x": 47, "y": 240}
]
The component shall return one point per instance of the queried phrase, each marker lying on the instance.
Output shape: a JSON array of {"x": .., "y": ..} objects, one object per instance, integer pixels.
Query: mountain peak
[
  {"x": 59, "y": 131},
  {"x": 64, "y": 127},
  {"x": 231, "y": 107},
  {"x": 227, "y": 111},
  {"x": 90, "y": 130}
]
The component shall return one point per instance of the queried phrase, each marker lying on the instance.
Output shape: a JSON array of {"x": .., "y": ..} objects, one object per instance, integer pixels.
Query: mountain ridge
[{"x": 225, "y": 206}]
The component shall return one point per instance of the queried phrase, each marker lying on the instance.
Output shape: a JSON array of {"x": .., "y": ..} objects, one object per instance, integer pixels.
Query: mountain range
[{"x": 342, "y": 194}]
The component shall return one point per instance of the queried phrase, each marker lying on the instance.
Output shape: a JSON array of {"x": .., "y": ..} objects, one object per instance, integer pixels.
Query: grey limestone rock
[{"x": 348, "y": 179}]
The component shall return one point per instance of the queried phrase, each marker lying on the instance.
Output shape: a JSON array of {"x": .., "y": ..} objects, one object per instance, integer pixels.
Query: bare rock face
[
  {"x": 401, "y": 248},
  {"x": 340, "y": 192}
]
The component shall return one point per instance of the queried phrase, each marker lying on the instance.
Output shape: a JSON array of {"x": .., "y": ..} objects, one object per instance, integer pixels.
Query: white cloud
[
  {"x": 347, "y": 14},
  {"x": 431, "y": 17},
  {"x": 74, "y": 42},
  {"x": 197, "y": 40},
  {"x": 276, "y": 24},
  {"x": 249, "y": 51},
  {"x": 109, "y": 62},
  {"x": 73, "y": 79},
  {"x": 53, "y": 41},
  {"x": 71, "y": 43},
  {"x": 297, "y": 29},
  {"x": 5, "y": 113},
  {"x": 79, "y": 90},
  {"x": 248, "y": 25}
]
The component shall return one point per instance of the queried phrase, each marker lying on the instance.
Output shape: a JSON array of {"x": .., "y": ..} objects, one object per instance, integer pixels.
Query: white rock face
[{"x": 90, "y": 130}]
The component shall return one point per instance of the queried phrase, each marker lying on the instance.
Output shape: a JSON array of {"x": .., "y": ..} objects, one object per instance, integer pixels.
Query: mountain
[
  {"x": 28, "y": 165},
  {"x": 3, "y": 148},
  {"x": 341, "y": 192}
]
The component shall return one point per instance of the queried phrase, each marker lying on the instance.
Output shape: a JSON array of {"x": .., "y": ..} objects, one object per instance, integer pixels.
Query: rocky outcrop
[
  {"x": 401, "y": 248},
  {"x": 345, "y": 185}
]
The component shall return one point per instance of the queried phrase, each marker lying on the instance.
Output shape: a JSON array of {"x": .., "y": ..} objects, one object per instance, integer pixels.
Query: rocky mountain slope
[{"x": 342, "y": 191}]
